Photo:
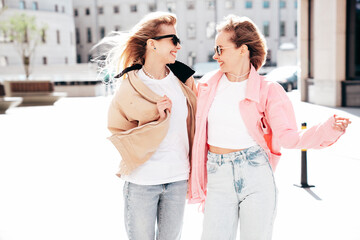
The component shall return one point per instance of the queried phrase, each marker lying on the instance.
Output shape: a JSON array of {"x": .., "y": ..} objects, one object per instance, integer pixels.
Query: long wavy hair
[
  {"x": 124, "y": 49},
  {"x": 246, "y": 32}
]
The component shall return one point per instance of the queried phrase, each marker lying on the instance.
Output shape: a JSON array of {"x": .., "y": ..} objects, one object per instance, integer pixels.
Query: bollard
[{"x": 303, "y": 182}]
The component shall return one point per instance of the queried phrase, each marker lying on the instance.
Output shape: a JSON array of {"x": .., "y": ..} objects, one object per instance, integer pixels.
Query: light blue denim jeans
[
  {"x": 161, "y": 204},
  {"x": 241, "y": 187}
]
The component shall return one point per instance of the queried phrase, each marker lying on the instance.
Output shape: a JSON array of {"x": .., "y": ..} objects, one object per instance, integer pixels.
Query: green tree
[{"x": 24, "y": 32}]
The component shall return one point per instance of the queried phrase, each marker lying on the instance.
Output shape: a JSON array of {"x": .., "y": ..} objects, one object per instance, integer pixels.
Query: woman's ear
[
  {"x": 151, "y": 43},
  {"x": 244, "y": 49}
]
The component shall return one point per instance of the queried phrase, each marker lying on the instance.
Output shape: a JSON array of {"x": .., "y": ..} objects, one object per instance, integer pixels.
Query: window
[
  {"x": 56, "y": 8},
  {"x": 89, "y": 58},
  {"x": 43, "y": 36},
  {"x": 77, "y": 35},
  {"x": 248, "y": 4},
  {"x": 89, "y": 40},
  {"x": 22, "y": 5},
  {"x": 76, "y": 13},
  {"x": 58, "y": 36},
  {"x": 210, "y": 4},
  {"x": 268, "y": 58},
  {"x": 191, "y": 58},
  {"x": 133, "y": 8},
  {"x": 152, "y": 7},
  {"x": 266, "y": 4},
  {"x": 100, "y": 10},
  {"x": 282, "y": 4},
  {"x": 102, "y": 32},
  {"x": 171, "y": 6},
  {"x": 295, "y": 28},
  {"x": 191, "y": 31},
  {"x": 78, "y": 58},
  {"x": 353, "y": 41},
  {"x": 44, "y": 60},
  {"x": 116, "y": 9},
  {"x": 63, "y": 9},
  {"x": 210, "y": 30},
  {"x": 190, "y": 5},
  {"x": 295, "y": 4},
  {"x": 266, "y": 26},
  {"x": 87, "y": 11},
  {"x": 282, "y": 29},
  {"x": 229, "y": 4},
  {"x": 35, "y": 6},
  {"x": 2, "y": 4},
  {"x": 66, "y": 60},
  {"x": 117, "y": 28}
]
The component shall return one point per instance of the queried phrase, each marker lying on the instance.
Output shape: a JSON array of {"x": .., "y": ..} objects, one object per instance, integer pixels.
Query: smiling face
[
  {"x": 230, "y": 55},
  {"x": 165, "y": 51}
]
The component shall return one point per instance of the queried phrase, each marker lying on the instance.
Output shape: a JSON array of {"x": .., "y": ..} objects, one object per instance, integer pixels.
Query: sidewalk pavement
[{"x": 57, "y": 178}]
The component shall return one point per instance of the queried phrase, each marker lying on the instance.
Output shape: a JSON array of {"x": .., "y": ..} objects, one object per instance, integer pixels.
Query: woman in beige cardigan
[{"x": 152, "y": 119}]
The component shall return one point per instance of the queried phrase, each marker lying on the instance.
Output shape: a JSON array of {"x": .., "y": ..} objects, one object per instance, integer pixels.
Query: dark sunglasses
[
  {"x": 175, "y": 40},
  {"x": 219, "y": 49}
]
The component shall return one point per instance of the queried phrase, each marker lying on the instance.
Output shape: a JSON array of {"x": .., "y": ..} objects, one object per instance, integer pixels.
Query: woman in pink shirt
[{"x": 242, "y": 121}]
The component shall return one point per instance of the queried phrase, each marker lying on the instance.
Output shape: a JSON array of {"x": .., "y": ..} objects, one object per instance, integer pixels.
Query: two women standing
[{"x": 242, "y": 121}]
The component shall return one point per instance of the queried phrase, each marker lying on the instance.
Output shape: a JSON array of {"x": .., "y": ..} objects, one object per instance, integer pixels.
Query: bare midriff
[{"x": 219, "y": 150}]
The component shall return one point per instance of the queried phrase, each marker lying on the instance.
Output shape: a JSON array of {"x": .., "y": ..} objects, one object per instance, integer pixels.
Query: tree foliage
[{"x": 23, "y": 31}]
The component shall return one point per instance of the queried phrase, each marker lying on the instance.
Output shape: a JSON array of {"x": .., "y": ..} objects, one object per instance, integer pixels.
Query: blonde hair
[
  {"x": 246, "y": 32},
  {"x": 123, "y": 50}
]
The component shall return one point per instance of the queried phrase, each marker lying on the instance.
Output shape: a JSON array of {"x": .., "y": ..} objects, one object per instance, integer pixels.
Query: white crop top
[{"x": 226, "y": 128}]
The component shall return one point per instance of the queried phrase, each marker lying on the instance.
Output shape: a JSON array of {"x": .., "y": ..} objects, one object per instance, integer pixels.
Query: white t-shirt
[
  {"x": 226, "y": 128},
  {"x": 170, "y": 162}
]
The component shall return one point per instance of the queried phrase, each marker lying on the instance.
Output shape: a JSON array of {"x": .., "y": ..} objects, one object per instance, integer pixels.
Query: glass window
[
  {"x": 191, "y": 30},
  {"x": 35, "y": 6},
  {"x": 266, "y": 26},
  {"x": 76, "y": 12},
  {"x": 100, "y": 10},
  {"x": 44, "y": 60},
  {"x": 66, "y": 60},
  {"x": 295, "y": 28},
  {"x": 295, "y": 3},
  {"x": 87, "y": 11},
  {"x": 63, "y": 9},
  {"x": 266, "y": 4},
  {"x": 248, "y": 4},
  {"x": 22, "y": 5},
  {"x": 190, "y": 5},
  {"x": 89, "y": 58},
  {"x": 171, "y": 6},
  {"x": 89, "y": 39},
  {"x": 57, "y": 36},
  {"x": 210, "y": 30},
  {"x": 229, "y": 4},
  {"x": 152, "y": 7},
  {"x": 56, "y": 8},
  {"x": 210, "y": 4},
  {"x": 282, "y": 29},
  {"x": 102, "y": 32},
  {"x": 77, "y": 35},
  {"x": 78, "y": 58},
  {"x": 133, "y": 8},
  {"x": 353, "y": 40},
  {"x": 282, "y": 4},
  {"x": 116, "y": 9},
  {"x": 117, "y": 28}
]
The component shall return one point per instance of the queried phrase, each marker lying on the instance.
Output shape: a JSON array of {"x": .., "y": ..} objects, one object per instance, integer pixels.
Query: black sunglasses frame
[{"x": 175, "y": 40}]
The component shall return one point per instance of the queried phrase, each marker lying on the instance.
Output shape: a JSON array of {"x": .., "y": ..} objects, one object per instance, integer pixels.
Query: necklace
[
  {"x": 238, "y": 76},
  {"x": 151, "y": 76}
]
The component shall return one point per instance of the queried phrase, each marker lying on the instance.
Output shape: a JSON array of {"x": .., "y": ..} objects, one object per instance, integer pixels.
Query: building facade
[
  {"x": 329, "y": 51},
  {"x": 277, "y": 20},
  {"x": 57, "y": 44}
]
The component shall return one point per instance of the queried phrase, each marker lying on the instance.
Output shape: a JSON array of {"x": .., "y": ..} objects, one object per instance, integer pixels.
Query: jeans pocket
[
  {"x": 211, "y": 167},
  {"x": 258, "y": 160}
]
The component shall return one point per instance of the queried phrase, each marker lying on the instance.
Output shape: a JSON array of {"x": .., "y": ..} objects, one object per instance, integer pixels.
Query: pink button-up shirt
[{"x": 270, "y": 120}]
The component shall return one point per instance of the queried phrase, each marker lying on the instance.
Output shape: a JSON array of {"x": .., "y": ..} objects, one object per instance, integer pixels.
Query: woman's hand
[
  {"x": 341, "y": 123},
  {"x": 163, "y": 104}
]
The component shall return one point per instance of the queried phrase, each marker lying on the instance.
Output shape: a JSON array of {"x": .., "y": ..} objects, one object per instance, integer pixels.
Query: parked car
[
  {"x": 286, "y": 76},
  {"x": 204, "y": 67}
]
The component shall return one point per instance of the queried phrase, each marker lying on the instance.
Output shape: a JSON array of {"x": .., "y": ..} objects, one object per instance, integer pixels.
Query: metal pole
[{"x": 303, "y": 182}]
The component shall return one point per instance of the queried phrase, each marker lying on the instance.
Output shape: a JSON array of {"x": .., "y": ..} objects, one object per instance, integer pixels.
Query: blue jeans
[
  {"x": 241, "y": 187},
  {"x": 147, "y": 204}
]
